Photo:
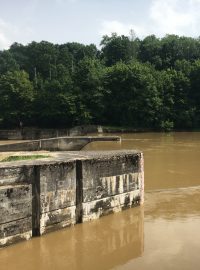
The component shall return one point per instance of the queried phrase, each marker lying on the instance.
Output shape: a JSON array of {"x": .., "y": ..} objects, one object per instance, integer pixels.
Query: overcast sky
[{"x": 85, "y": 21}]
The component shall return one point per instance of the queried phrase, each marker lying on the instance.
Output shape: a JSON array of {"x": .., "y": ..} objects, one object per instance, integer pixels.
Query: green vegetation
[
  {"x": 143, "y": 84},
  {"x": 18, "y": 158}
]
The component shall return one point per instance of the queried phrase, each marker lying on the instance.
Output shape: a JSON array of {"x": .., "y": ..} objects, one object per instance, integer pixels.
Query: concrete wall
[
  {"x": 56, "y": 144},
  {"x": 15, "y": 204},
  {"x": 40, "y": 196},
  {"x": 57, "y": 196},
  {"x": 42, "y": 133},
  {"x": 110, "y": 184},
  {"x": 14, "y": 134}
]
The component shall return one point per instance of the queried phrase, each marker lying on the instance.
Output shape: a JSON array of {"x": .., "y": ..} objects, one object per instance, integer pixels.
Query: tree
[
  {"x": 7, "y": 62},
  {"x": 183, "y": 109},
  {"x": 194, "y": 94},
  {"x": 150, "y": 50},
  {"x": 175, "y": 48},
  {"x": 132, "y": 97},
  {"x": 55, "y": 105},
  {"x": 42, "y": 59},
  {"x": 89, "y": 91},
  {"x": 17, "y": 95},
  {"x": 20, "y": 55},
  {"x": 151, "y": 83},
  {"x": 116, "y": 48}
]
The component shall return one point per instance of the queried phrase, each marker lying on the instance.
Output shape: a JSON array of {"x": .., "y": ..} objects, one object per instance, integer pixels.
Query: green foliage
[
  {"x": 88, "y": 78},
  {"x": 150, "y": 50},
  {"x": 152, "y": 83},
  {"x": 118, "y": 48},
  {"x": 132, "y": 96},
  {"x": 7, "y": 62},
  {"x": 167, "y": 125},
  {"x": 17, "y": 95}
]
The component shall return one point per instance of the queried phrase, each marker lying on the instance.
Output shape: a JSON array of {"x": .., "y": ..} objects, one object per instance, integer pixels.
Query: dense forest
[{"x": 153, "y": 83}]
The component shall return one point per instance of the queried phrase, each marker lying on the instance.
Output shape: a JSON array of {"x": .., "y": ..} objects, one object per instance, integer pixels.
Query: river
[{"x": 163, "y": 234}]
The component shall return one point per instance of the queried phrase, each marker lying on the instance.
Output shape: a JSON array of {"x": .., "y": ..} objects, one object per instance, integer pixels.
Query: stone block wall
[
  {"x": 111, "y": 184},
  {"x": 15, "y": 204},
  {"x": 57, "y": 196},
  {"x": 37, "y": 197}
]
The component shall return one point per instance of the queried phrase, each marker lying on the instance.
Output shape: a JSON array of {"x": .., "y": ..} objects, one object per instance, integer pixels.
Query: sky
[{"x": 86, "y": 21}]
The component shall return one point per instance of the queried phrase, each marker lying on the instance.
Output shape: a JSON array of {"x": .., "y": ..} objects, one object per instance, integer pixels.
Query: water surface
[
  {"x": 172, "y": 160},
  {"x": 164, "y": 234}
]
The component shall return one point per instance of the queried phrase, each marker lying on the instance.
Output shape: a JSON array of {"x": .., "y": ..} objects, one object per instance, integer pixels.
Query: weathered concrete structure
[
  {"x": 29, "y": 133},
  {"x": 56, "y": 201},
  {"x": 56, "y": 144},
  {"x": 44, "y": 195},
  {"x": 15, "y": 204},
  {"x": 110, "y": 183}
]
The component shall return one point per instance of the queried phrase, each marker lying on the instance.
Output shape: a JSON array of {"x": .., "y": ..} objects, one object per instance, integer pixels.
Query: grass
[{"x": 18, "y": 158}]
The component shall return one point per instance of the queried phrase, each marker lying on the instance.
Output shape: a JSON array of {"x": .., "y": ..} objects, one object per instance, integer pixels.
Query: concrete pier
[{"x": 44, "y": 195}]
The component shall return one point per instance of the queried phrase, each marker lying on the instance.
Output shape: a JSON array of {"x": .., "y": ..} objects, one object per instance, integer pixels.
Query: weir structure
[{"x": 44, "y": 195}]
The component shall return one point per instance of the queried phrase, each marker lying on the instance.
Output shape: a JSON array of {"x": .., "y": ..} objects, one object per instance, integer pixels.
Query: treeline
[{"x": 145, "y": 84}]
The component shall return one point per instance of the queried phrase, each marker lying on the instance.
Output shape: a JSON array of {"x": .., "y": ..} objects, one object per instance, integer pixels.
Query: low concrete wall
[
  {"x": 42, "y": 133},
  {"x": 15, "y": 204},
  {"x": 110, "y": 184},
  {"x": 21, "y": 146},
  {"x": 56, "y": 144},
  {"x": 14, "y": 134},
  {"x": 45, "y": 195},
  {"x": 57, "y": 198}
]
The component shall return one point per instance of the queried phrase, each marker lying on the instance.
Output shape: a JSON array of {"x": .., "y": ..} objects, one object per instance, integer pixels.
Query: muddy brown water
[{"x": 164, "y": 234}]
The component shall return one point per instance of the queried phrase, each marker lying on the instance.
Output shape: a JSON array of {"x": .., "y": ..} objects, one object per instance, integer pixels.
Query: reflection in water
[
  {"x": 172, "y": 241},
  {"x": 101, "y": 244},
  {"x": 162, "y": 236}
]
